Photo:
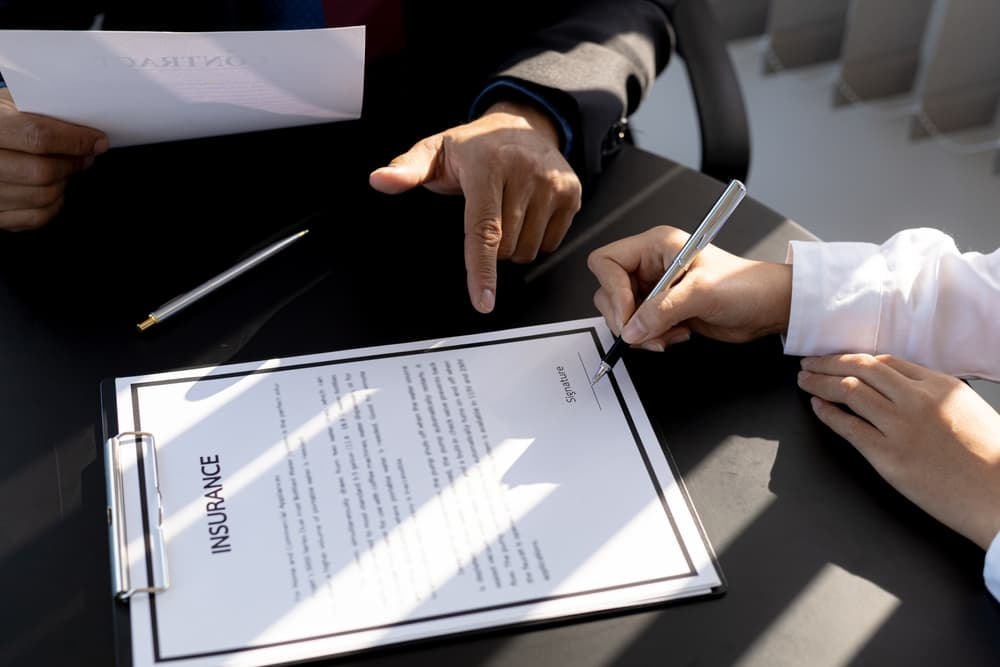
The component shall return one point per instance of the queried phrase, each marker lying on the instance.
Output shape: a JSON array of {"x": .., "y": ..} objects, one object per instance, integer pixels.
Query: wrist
[
  {"x": 778, "y": 285},
  {"x": 535, "y": 117}
]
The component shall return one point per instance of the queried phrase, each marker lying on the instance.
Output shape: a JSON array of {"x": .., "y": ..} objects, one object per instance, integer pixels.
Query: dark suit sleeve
[
  {"x": 42, "y": 15},
  {"x": 593, "y": 67},
  {"x": 48, "y": 14}
]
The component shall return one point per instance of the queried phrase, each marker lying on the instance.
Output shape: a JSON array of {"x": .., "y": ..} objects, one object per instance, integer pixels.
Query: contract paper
[
  {"x": 147, "y": 87},
  {"x": 331, "y": 503}
]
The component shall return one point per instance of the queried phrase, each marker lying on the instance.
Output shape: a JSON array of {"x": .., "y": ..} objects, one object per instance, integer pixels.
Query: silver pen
[
  {"x": 186, "y": 299},
  {"x": 702, "y": 236}
]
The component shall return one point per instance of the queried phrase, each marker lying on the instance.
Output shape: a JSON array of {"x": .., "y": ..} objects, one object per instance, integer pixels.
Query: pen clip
[
  {"x": 719, "y": 214},
  {"x": 702, "y": 236}
]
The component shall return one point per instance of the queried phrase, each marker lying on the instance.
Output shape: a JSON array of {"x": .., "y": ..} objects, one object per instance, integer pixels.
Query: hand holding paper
[
  {"x": 37, "y": 155},
  {"x": 79, "y": 92}
]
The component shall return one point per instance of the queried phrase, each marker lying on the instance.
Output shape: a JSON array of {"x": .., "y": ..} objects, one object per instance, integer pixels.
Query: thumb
[
  {"x": 659, "y": 315},
  {"x": 417, "y": 166}
]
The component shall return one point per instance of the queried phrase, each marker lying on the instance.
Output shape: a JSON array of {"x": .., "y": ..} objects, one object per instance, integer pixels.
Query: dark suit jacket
[
  {"x": 183, "y": 211},
  {"x": 592, "y": 60}
]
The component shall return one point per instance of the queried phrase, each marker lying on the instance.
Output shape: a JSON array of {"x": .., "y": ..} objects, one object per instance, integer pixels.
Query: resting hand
[
  {"x": 37, "y": 155},
  {"x": 721, "y": 296},
  {"x": 929, "y": 435},
  {"x": 520, "y": 193}
]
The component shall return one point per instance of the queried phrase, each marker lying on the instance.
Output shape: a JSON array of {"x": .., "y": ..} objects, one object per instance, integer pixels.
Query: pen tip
[
  {"x": 146, "y": 323},
  {"x": 597, "y": 376}
]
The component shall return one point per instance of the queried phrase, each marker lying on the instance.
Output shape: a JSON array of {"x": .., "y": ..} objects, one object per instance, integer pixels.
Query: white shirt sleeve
[
  {"x": 991, "y": 570},
  {"x": 915, "y": 296}
]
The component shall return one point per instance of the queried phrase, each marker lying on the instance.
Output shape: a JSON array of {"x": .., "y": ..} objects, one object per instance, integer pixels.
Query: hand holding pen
[{"x": 619, "y": 264}]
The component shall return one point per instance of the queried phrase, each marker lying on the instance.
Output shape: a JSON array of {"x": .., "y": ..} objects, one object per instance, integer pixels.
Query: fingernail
[
  {"x": 487, "y": 301},
  {"x": 101, "y": 146},
  {"x": 652, "y": 346},
  {"x": 801, "y": 376},
  {"x": 679, "y": 338},
  {"x": 804, "y": 362},
  {"x": 87, "y": 161},
  {"x": 634, "y": 331}
]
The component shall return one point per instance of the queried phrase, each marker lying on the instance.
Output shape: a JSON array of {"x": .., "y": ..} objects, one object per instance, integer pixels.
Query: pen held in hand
[
  {"x": 702, "y": 236},
  {"x": 184, "y": 300}
]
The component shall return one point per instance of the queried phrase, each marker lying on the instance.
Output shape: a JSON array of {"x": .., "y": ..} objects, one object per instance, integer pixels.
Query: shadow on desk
[
  {"x": 826, "y": 565},
  {"x": 818, "y": 534}
]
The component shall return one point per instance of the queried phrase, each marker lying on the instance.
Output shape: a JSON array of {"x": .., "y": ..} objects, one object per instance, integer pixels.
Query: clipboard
[{"x": 140, "y": 446}]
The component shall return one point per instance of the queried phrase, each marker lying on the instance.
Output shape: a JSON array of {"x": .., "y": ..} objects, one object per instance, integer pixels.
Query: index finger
[
  {"x": 614, "y": 266},
  {"x": 904, "y": 367},
  {"x": 483, "y": 232},
  {"x": 872, "y": 370},
  {"x": 42, "y": 135}
]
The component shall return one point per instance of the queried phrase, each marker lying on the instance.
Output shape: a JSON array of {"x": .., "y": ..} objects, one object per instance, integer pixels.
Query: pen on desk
[
  {"x": 186, "y": 299},
  {"x": 702, "y": 236}
]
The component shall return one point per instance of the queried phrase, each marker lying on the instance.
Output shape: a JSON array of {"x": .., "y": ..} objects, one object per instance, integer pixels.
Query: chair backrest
[{"x": 718, "y": 97}]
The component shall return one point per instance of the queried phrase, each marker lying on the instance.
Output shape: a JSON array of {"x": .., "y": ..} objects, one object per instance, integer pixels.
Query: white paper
[
  {"x": 386, "y": 494},
  {"x": 146, "y": 87}
]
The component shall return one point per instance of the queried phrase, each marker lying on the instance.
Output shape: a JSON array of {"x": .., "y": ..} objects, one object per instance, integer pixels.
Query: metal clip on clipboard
[{"x": 149, "y": 485}]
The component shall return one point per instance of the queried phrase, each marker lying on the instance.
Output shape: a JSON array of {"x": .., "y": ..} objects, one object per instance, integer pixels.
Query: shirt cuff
[
  {"x": 490, "y": 93},
  {"x": 836, "y": 297},
  {"x": 991, "y": 570}
]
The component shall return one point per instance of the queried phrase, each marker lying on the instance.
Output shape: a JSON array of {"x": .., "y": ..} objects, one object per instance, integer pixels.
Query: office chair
[{"x": 718, "y": 98}]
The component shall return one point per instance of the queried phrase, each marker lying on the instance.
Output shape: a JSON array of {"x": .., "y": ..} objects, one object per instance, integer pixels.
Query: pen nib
[{"x": 601, "y": 372}]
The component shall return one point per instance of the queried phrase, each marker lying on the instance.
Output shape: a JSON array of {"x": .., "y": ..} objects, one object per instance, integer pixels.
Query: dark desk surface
[{"x": 826, "y": 565}]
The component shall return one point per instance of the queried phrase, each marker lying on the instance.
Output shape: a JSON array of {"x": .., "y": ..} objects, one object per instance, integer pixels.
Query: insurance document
[
  {"x": 331, "y": 503},
  {"x": 147, "y": 87}
]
